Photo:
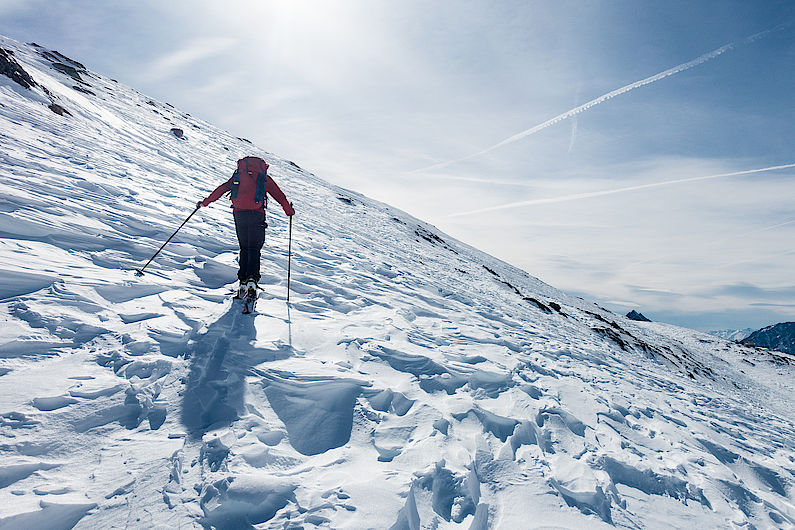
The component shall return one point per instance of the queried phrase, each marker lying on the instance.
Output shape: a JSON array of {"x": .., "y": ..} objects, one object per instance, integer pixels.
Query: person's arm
[
  {"x": 217, "y": 192},
  {"x": 274, "y": 191}
]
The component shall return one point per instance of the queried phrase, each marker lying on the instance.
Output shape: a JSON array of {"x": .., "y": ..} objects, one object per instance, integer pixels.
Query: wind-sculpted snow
[
  {"x": 318, "y": 415},
  {"x": 413, "y": 382}
]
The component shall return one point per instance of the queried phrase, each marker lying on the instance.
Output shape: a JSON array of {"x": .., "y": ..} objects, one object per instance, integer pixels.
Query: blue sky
[{"x": 382, "y": 96}]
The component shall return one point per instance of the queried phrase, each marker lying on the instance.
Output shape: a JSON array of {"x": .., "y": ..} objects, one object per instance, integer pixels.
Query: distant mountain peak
[
  {"x": 731, "y": 334},
  {"x": 634, "y": 315},
  {"x": 779, "y": 337}
]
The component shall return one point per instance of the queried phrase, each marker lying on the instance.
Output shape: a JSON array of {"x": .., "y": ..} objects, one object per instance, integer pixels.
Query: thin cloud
[
  {"x": 193, "y": 52},
  {"x": 762, "y": 258},
  {"x": 490, "y": 182},
  {"x": 748, "y": 291},
  {"x": 720, "y": 243},
  {"x": 589, "y": 195},
  {"x": 701, "y": 59}
]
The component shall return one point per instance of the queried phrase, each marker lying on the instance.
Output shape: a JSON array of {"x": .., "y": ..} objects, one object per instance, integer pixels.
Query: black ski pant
[{"x": 250, "y": 227}]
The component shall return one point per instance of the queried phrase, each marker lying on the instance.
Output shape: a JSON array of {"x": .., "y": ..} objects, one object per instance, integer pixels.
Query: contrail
[
  {"x": 573, "y": 136},
  {"x": 601, "y": 99},
  {"x": 779, "y": 225},
  {"x": 578, "y": 196}
]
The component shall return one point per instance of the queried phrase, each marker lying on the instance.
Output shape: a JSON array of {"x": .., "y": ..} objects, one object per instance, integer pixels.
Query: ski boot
[
  {"x": 250, "y": 297},
  {"x": 241, "y": 291}
]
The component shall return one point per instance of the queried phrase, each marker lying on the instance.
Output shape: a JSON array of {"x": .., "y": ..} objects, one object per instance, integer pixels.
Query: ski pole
[
  {"x": 140, "y": 272},
  {"x": 289, "y": 255}
]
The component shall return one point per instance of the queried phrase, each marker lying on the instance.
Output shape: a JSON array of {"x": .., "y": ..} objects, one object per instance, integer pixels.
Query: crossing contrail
[
  {"x": 588, "y": 195},
  {"x": 701, "y": 59}
]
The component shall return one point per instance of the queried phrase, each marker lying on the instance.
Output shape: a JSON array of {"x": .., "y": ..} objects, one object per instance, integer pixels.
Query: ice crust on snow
[{"x": 413, "y": 382}]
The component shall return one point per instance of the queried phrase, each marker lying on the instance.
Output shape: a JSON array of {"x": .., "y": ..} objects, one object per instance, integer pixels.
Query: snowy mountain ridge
[
  {"x": 413, "y": 382},
  {"x": 779, "y": 336},
  {"x": 732, "y": 334}
]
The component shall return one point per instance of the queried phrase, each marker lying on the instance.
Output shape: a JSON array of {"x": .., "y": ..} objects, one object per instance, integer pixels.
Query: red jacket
[{"x": 271, "y": 188}]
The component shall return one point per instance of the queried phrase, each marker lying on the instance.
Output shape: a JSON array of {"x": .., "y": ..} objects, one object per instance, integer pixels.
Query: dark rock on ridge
[
  {"x": 10, "y": 68},
  {"x": 59, "y": 110},
  {"x": 71, "y": 71},
  {"x": 83, "y": 90},
  {"x": 634, "y": 315}
]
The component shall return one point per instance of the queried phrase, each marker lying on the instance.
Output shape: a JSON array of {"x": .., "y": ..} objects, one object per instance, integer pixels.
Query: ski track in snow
[{"x": 414, "y": 382}]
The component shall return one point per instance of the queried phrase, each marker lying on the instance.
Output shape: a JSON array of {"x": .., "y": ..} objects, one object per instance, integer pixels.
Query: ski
[{"x": 249, "y": 301}]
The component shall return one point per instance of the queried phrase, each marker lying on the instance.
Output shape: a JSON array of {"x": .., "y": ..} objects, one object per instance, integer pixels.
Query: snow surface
[{"x": 413, "y": 381}]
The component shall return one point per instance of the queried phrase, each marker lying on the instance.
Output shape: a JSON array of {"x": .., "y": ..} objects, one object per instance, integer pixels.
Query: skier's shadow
[{"x": 220, "y": 360}]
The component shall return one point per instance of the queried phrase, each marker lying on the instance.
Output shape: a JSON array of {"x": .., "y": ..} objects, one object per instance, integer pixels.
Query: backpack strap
[
  {"x": 262, "y": 177},
  {"x": 235, "y": 184}
]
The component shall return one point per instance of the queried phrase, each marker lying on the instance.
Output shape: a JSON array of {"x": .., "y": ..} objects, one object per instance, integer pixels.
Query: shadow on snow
[{"x": 220, "y": 360}]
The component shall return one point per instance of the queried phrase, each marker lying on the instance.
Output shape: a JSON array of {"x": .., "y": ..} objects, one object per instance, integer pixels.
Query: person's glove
[
  {"x": 199, "y": 204},
  {"x": 291, "y": 212}
]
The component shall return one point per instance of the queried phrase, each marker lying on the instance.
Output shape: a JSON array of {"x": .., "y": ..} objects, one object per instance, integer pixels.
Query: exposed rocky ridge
[
  {"x": 779, "y": 337},
  {"x": 10, "y": 68}
]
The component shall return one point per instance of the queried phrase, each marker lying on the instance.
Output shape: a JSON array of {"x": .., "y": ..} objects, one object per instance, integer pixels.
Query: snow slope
[{"x": 413, "y": 381}]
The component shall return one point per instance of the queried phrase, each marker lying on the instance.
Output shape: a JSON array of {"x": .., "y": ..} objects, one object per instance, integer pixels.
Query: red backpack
[{"x": 248, "y": 183}]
